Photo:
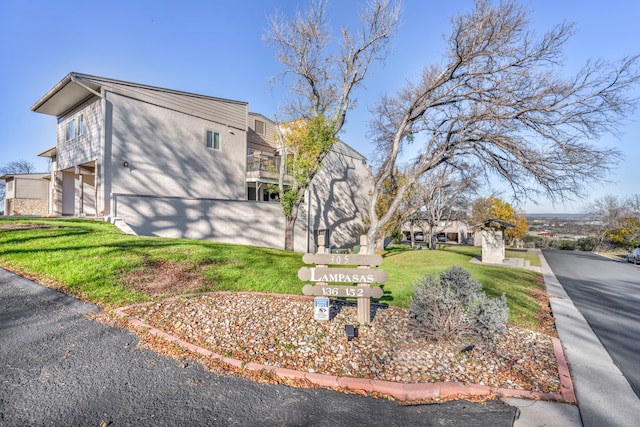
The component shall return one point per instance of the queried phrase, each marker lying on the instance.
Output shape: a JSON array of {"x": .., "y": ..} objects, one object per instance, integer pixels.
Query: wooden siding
[
  {"x": 266, "y": 142},
  {"x": 83, "y": 148},
  {"x": 226, "y": 112}
]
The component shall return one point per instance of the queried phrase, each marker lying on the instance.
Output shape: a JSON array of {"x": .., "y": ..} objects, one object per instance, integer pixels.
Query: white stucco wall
[
  {"x": 166, "y": 154},
  {"x": 340, "y": 199},
  {"x": 240, "y": 222}
]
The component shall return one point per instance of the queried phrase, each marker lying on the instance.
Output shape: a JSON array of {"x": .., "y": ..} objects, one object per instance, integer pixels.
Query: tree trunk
[
  {"x": 432, "y": 240},
  {"x": 289, "y": 229},
  {"x": 413, "y": 245},
  {"x": 372, "y": 239}
]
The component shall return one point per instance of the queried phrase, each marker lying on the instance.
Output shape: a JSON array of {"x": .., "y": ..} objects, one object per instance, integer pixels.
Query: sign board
[
  {"x": 321, "y": 309},
  {"x": 342, "y": 259},
  {"x": 343, "y": 291},
  {"x": 342, "y": 275}
]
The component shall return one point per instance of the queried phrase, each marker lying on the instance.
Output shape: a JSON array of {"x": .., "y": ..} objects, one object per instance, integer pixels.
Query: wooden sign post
[{"x": 321, "y": 275}]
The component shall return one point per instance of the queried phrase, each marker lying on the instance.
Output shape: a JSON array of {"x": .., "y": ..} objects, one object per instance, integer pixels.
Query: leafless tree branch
[{"x": 500, "y": 103}]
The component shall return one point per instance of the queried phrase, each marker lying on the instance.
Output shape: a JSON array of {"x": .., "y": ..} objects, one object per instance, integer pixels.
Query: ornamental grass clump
[{"x": 454, "y": 305}]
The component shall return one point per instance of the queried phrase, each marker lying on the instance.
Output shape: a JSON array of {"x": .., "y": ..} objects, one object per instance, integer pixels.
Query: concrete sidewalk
[{"x": 604, "y": 396}]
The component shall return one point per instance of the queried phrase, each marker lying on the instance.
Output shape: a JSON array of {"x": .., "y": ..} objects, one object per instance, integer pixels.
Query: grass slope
[{"x": 100, "y": 264}]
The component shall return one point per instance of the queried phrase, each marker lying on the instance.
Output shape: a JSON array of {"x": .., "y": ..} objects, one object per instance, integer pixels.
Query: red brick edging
[{"x": 400, "y": 391}]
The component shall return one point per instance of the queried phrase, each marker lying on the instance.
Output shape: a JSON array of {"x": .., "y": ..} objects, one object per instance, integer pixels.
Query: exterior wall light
[{"x": 125, "y": 164}]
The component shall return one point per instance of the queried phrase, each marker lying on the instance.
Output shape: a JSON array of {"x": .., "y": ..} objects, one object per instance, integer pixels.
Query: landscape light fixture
[{"x": 351, "y": 331}]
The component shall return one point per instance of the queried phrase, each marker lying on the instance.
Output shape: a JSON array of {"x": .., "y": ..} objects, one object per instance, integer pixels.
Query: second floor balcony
[{"x": 262, "y": 166}]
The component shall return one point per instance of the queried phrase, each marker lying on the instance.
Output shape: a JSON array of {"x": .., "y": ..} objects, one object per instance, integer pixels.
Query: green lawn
[{"x": 94, "y": 261}]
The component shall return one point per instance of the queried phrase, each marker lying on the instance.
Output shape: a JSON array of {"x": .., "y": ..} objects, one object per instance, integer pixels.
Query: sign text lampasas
[{"x": 363, "y": 276}]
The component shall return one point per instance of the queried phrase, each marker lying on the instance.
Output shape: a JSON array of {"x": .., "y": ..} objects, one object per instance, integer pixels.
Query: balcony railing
[{"x": 263, "y": 166}]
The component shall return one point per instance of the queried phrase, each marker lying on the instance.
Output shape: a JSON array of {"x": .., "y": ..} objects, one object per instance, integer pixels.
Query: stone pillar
[{"x": 493, "y": 245}]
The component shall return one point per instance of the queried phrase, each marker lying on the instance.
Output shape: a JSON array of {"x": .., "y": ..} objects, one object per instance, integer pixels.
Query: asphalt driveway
[{"x": 58, "y": 368}]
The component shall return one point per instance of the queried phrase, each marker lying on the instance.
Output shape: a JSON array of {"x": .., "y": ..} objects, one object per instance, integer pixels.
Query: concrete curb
[{"x": 400, "y": 391}]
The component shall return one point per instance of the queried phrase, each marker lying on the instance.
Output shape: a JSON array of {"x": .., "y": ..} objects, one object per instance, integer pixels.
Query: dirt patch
[
  {"x": 545, "y": 317},
  {"x": 166, "y": 278},
  {"x": 22, "y": 226}
]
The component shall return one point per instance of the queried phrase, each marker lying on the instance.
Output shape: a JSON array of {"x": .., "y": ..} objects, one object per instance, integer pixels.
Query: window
[
  {"x": 9, "y": 186},
  {"x": 71, "y": 129},
  {"x": 213, "y": 140},
  {"x": 259, "y": 125},
  {"x": 81, "y": 124},
  {"x": 74, "y": 127}
]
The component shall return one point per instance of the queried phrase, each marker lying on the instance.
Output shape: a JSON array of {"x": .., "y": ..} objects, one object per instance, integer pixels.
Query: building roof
[
  {"x": 24, "y": 175},
  {"x": 49, "y": 152},
  {"x": 76, "y": 88},
  {"x": 345, "y": 149},
  {"x": 494, "y": 223}
]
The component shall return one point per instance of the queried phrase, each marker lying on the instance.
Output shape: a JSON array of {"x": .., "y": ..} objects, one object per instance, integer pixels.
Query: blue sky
[{"x": 215, "y": 48}]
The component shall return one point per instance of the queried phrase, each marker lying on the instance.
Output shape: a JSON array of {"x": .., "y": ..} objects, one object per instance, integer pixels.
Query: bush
[
  {"x": 454, "y": 304},
  {"x": 397, "y": 237},
  {"x": 566, "y": 245}
]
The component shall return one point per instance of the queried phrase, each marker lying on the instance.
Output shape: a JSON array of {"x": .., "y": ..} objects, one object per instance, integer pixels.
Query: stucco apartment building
[
  {"x": 456, "y": 231},
  {"x": 178, "y": 164}
]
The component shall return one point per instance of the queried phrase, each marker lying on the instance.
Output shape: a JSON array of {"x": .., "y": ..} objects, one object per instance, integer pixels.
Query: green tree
[
  {"x": 304, "y": 142},
  {"x": 493, "y": 207}
]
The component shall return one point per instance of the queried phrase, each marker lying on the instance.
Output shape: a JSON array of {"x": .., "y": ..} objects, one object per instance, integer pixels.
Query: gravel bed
[{"x": 279, "y": 331}]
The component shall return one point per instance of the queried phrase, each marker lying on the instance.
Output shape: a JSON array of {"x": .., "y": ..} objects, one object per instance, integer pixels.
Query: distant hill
[{"x": 557, "y": 215}]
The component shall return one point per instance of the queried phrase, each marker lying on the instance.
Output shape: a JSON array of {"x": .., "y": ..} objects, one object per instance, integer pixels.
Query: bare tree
[
  {"x": 446, "y": 198},
  {"x": 633, "y": 204},
  {"x": 438, "y": 198},
  {"x": 619, "y": 218},
  {"x": 610, "y": 210},
  {"x": 499, "y": 102},
  {"x": 13, "y": 167},
  {"x": 322, "y": 83}
]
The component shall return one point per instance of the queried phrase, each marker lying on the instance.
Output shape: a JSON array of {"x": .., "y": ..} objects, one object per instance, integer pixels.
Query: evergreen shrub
[{"x": 454, "y": 304}]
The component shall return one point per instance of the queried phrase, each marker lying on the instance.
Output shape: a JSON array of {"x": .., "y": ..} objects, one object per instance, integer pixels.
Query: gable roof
[
  {"x": 345, "y": 149},
  {"x": 494, "y": 223},
  {"x": 76, "y": 88}
]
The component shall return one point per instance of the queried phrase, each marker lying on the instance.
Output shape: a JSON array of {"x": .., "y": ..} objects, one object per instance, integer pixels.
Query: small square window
[{"x": 213, "y": 140}]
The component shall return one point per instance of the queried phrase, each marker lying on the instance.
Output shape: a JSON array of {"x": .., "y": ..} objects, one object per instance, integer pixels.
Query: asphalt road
[
  {"x": 607, "y": 293},
  {"x": 58, "y": 368}
]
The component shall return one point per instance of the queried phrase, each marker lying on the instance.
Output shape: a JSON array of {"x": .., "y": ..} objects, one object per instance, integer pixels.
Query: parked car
[
  {"x": 419, "y": 236},
  {"x": 442, "y": 239},
  {"x": 634, "y": 256}
]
